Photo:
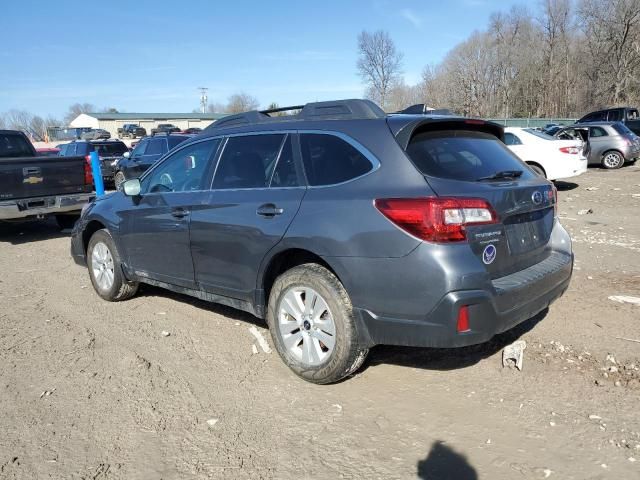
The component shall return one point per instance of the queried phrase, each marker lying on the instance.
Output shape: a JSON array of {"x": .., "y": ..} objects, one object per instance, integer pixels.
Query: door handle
[
  {"x": 180, "y": 212},
  {"x": 269, "y": 210}
]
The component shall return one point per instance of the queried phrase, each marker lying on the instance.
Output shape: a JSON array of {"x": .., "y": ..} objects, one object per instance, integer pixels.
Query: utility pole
[{"x": 203, "y": 98}]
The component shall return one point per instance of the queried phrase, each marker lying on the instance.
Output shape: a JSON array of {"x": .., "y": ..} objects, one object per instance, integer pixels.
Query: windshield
[
  {"x": 110, "y": 149},
  {"x": 462, "y": 155},
  {"x": 538, "y": 133}
]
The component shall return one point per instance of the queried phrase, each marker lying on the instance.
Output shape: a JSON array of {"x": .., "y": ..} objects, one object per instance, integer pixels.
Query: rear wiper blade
[{"x": 501, "y": 175}]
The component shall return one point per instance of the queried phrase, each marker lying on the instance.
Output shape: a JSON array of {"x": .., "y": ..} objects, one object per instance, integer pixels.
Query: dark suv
[
  {"x": 343, "y": 227},
  {"x": 146, "y": 152},
  {"x": 109, "y": 152}
]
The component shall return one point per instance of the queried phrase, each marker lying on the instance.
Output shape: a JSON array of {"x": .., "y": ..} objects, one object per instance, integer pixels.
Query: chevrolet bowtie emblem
[{"x": 33, "y": 180}]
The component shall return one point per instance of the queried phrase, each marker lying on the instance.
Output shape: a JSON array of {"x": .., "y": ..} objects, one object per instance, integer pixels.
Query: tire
[
  {"x": 66, "y": 222},
  {"x": 539, "y": 171},
  {"x": 111, "y": 284},
  {"x": 291, "y": 335},
  {"x": 612, "y": 160},
  {"x": 118, "y": 179}
]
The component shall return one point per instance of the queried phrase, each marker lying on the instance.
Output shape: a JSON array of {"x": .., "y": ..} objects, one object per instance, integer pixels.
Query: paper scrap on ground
[
  {"x": 261, "y": 341},
  {"x": 625, "y": 299},
  {"x": 514, "y": 352}
]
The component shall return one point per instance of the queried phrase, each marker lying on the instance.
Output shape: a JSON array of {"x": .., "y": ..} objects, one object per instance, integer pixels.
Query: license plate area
[{"x": 528, "y": 231}]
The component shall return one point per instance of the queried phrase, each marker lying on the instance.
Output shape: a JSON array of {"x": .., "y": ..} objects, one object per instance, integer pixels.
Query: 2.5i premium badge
[{"x": 489, "y": 254}]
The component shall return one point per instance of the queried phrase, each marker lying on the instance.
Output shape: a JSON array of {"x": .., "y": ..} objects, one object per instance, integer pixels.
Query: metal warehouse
[{"x": 112, "y": 121}]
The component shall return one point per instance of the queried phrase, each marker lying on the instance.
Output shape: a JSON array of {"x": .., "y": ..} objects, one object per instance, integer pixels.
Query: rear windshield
[
  {"x": 622, "y": 129},
  {"x": 110, "y": 149},
  {"x": 14, "y": 146},
  {"x": 538, "y": 133},
  {"x": 462, "y": 155},
  {"x": 173, "y": 141}
]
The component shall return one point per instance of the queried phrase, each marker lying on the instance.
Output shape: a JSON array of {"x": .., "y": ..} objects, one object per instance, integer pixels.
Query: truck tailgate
[{"x": 26, "y": 177}]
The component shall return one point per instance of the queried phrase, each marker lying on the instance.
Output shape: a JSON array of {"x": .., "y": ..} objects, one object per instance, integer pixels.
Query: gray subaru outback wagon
[{"x": 343, "y": 227}]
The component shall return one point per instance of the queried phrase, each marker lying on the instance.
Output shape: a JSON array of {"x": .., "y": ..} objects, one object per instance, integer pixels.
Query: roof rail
[
  {"x": 351, "y": 109},
  {"x": 423, "y": 109}
]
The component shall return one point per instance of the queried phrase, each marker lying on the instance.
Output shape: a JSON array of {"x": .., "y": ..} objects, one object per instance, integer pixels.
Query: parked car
[
  {"x": 95, "y": 134},
  {"x": 146, "y": 153},
  {"x": 192, "y": 131},
  {"x": 35, "y": 187},
  {"x": 627, "y": 115},
  {"x": 48, "y": 152},
  {"x": 343, "y": 227},
  {"x": 165, "y": 128},
  {"x": 547, "y": 156},
  {"x": 109, "y": 152},
  {"x": 609, "y": 144},
  {"x": 131, "y": 130},
  {"x": 551, "y": 129}
]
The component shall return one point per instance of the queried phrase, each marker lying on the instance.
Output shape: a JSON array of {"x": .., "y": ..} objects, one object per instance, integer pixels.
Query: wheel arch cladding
[{"x": 92, "y": 227}]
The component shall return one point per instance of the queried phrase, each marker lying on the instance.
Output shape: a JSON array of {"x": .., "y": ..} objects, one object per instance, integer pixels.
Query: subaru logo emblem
[
  {"x": 536, "y": 197},
  {"x": 489, "y": 254}
]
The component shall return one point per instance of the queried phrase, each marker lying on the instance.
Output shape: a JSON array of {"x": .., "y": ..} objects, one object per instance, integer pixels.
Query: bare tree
[
  {"x": 215, "y": 107},
  {"x": 379, "y": 64},
  {"x": 241, "y": 102},
  {"x": 77, "y": 109}
]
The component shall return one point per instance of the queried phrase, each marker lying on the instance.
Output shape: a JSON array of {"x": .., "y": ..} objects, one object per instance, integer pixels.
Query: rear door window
[
  {"x": 248, "y": 162},
  {"x": 614, "y": 115},
  {"x": 71, "y": 150},
  {"x": 462, "y": 155},
  {"x": 329, "y": 160},
  {"x": 597, "y": 132}
]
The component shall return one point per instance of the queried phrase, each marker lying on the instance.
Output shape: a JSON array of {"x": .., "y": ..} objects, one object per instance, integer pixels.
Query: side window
[
  {"x": 71, "y": 150},
  {"x": 248, "y": 161},
  {"x": 329, "y": 160},
  {"x": 511, "y": 139},
  {"x": 140, "y": 148},
  {"x": 181, "y": 171},
  {"x": 285, "y": 174},
  {"x": 597, "y": 132},
  {"x": 614, "y": 115},
  {"x": 157, "y": 146}
]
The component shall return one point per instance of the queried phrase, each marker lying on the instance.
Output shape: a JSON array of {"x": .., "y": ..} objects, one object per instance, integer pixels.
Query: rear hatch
[
  {"x": 41, "y": 176},
  {"x": 467, "y": 160}
]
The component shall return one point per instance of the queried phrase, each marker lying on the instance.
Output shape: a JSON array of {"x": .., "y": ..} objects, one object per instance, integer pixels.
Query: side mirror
[
  {"x": 126, "y": 154},
  {"x": 131, "y": 188}
]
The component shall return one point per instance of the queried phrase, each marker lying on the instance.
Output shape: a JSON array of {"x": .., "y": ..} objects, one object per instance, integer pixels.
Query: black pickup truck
[
  {"x": 627, "y": 115},
  {"x": 34, "y": 187},
  {"x": 132, "y": 130}
]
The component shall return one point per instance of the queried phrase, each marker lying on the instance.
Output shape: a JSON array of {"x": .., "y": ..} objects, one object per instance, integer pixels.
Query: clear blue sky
[{"x": 149, "y": 56}]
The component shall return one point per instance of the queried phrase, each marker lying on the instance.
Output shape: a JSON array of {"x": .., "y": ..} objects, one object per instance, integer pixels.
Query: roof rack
[{"x": 351, "y": 109}]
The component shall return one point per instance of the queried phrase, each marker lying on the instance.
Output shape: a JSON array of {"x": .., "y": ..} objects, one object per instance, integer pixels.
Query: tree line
[{"x": 563, "y": 59}]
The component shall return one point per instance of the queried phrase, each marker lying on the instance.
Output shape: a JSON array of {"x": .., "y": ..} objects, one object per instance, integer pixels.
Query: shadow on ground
[
  {"x": 18, "y": 233},
  {"x": 443, "y": 462},
  {"x": 565, "y": 186},
  {"x": 449, "y": 358}
]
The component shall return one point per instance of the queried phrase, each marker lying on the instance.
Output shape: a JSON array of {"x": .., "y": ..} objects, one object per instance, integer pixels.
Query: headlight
[{"x": 114, "y": 163}]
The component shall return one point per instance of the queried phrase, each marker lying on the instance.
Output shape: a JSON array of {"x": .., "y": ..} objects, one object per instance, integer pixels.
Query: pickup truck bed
[{"x": 35, "y": 186}]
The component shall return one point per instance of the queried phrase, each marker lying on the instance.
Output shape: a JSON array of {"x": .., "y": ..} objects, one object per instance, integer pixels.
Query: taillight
[
  {"x": 571, "y": 150},
  {"x": 88, "y": 171},
  {"x": 437, "y": 219},
  {"x": 552, "y": 195}
]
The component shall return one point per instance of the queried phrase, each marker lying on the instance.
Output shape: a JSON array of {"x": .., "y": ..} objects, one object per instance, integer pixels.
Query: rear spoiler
[{"x": 421, "y": 124}]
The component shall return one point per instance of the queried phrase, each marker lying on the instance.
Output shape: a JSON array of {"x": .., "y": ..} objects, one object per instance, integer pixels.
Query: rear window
[
  {"x": 622, "y": 129},
  {"x": 110, "y": 149},
  {"x": 14, "y": 146},
  {"x": 462, "y": 155},
  {"x": 329, "y": 160},
  {"x": 173, "y": 141},
  {"x": 538, "y": 133}
]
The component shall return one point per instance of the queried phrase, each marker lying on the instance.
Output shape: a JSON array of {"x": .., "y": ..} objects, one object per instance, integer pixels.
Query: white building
[{"x": 112, "y": 121}]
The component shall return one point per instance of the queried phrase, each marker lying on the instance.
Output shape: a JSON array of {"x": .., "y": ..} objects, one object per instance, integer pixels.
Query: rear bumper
[
  {"x": 568, "y": 169},
  {"x": 41, "y": 206},
  {"x": 509, "y": 301}
]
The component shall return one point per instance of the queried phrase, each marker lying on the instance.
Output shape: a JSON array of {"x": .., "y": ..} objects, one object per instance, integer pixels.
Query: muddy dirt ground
[{"x": 94, "y": 390}]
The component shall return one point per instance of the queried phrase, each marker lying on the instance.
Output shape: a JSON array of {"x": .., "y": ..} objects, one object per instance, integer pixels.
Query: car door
[
  {"x": 155, "y": 225},
  {"x": 599, "y": 143},
  {"x": 256, "y": 192}
]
